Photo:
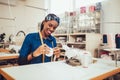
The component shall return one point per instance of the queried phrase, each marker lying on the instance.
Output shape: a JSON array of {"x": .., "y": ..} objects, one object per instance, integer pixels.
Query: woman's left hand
[{"x": 56, "y": 52}]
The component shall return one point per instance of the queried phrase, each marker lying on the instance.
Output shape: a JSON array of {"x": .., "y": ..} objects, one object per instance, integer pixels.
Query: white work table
[
  {"x": 4, "y": 55},
  {"x": 60, "y": 71},
  {"x": 114, "y": 51}
]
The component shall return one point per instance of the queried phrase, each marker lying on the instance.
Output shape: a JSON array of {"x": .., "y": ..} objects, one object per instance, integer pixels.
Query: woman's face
[{"x": 49, "y": 27}]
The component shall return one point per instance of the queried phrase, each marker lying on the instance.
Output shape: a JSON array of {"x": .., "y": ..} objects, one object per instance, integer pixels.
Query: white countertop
[
  {"x": 59, "y": 71},
  {"x": 4, "y": 55},
  {"x": 112, "y": 49},
  {"x": 8, "y": 54}
]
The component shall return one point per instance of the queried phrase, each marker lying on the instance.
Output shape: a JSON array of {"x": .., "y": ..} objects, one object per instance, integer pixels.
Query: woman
[{"x": 38, "y": 47}]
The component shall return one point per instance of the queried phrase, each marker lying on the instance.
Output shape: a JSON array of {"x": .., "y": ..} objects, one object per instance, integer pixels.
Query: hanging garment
[
  {"x": 104, "y": 38},
  {"x": 117, "y": 40}
]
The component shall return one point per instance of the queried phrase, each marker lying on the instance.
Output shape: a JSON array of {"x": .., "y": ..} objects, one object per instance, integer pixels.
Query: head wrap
[{"x": 52, "y": 17}]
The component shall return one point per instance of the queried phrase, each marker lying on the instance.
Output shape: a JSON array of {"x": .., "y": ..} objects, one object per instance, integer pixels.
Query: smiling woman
[{"x": 37, "y": 46}]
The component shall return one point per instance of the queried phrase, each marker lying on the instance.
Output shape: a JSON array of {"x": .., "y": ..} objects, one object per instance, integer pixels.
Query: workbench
[
  {"x": 8, "y": 59},
  {"x": 59, "y": 70},
  {"x": 5, "y": 56}
]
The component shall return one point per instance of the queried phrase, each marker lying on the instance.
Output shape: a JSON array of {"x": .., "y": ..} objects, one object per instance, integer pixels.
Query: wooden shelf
[
  {"x": 75, "y": 34},
  {"x": 90, "y": 41},
  {"x": 76, "y": 43},
  {"x": 60, "y": 35}
]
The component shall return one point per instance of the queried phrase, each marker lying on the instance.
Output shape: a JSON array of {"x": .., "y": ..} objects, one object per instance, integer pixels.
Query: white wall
[
  {"x": 111, "y": 16},
  {"x": 59, "y": 6},
  {"x": 26, "y": 18}
]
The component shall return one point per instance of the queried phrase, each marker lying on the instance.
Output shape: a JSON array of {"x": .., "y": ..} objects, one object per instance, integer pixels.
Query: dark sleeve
[{"x": 24, "y": 51}]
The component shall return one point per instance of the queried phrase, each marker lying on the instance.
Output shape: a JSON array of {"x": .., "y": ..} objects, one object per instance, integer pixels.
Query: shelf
[
  {"x": 86, "y": 41},
  {"x": 75, "y": 34},
  {"x": 60, "y": 42},
  {"x": 60, "y": 35},
  {"x": 77, "y": 43}
]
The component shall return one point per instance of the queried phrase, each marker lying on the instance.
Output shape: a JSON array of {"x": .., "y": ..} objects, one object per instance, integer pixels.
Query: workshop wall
[{"x": 20, "y": 15}]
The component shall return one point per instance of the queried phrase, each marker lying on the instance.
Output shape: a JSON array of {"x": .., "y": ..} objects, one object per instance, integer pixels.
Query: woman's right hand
[{"x": 43, "y": 49}]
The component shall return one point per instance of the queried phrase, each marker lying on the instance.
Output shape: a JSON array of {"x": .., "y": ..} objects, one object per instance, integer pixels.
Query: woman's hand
[
  {"x": 56, "y": 52},
  {"x": 43, "y": 49}
]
